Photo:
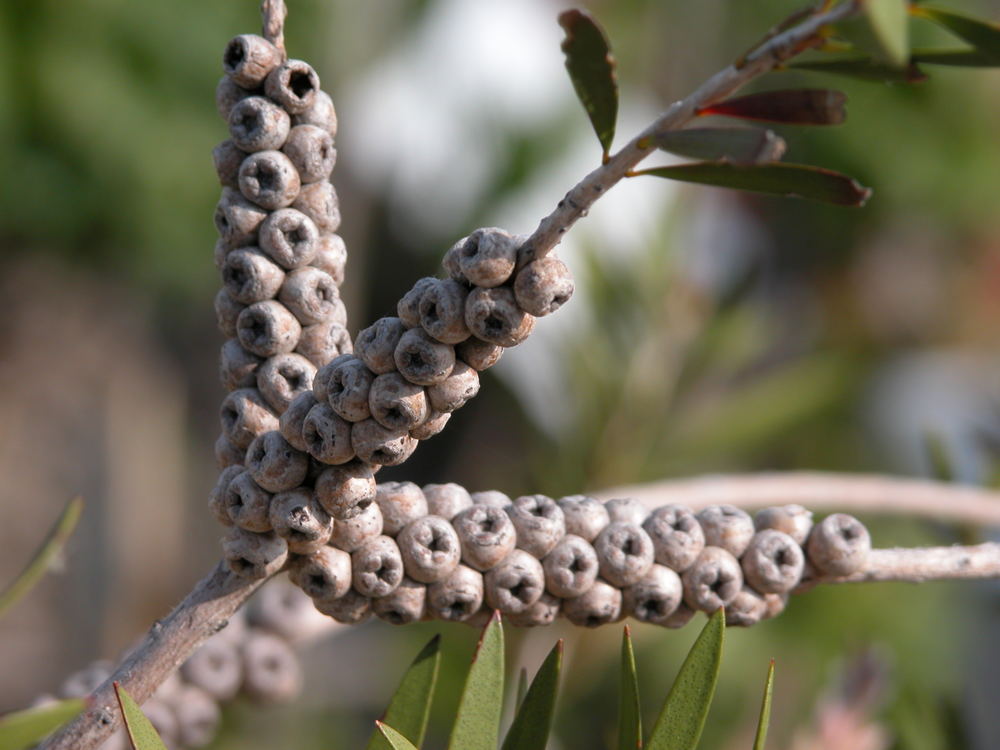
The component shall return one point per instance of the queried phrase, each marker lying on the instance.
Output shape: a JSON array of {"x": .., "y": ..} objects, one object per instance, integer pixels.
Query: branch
[{"x": 273, "y": 13}]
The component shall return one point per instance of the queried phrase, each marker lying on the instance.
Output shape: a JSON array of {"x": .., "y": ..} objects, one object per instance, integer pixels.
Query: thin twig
[{"x": 273, "y": 13}]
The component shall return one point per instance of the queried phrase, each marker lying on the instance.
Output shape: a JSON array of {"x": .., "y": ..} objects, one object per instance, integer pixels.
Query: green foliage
[
  {"x": 24, "y": 729},
  {"x": 887, "y": 23},
  {"x": 734, "y": 145},
  {"x": 533, "y": 722},
  {"x": 982, "y": 35},
  {"x": 591, "y": 67},
  {"x": 140, "y": 730},
  {"x": 477, "y": 724},
  {"x": 629, "y": 708},
  {"x": 764, "y": 720},
  {"x": 411, "y": 705},
  {"x": 393, "y": 739}
]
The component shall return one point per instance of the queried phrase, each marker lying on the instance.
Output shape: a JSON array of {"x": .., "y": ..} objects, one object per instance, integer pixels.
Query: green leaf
[
  {"x": 629, "y": 710},
  {"x": 683, "y": 716},
  {"x": 865, "y": 69},
  {"x": 522, "y": 688},
  {"x": 982, "y": 35},
  {"x": 533, "y": 722},
  {"x": 733, "y": 145},
  {"x": 591, "y": 68},
  {"x": 791, "y": 180},
  {"x": 393, "y": 739},
  {"x": 410, "y": 707},
  {"x": 140, "y": 729},
  {"x": 765, "y": 710},
  {"x": 964, "y": 58},
  {"x": 477, "y": 723},
  {"x": 27, "y": 728},
  {"x": 790, "y": 106},
  {"x": 45, "y": 556},
  {"x": 888, "y": 23}
]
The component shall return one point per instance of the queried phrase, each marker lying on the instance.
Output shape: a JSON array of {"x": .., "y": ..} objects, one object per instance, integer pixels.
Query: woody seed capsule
[
  {"x": 268, "y": 328},
  {"x": 446, "y": 500},
  {"x": 538, "y": 523},
  {"x": 269, "y": 179},
  {"x": 227, "y": 94},
  {"x": 421, "y": 359},
  {"x": 344, "y": 491},
  {"x": 349, "y": 384},
  {"x": 624, "y": 553},
  {"x": 216, "y": 668},
  {"x": 227, "y": 158},
  {"x": 299, "y": 519},
  {"x": 655, "y": 597},
  {"x": 452, "y": 263},
  {"x": 250, "y": 276},
  {"x": 452, "y": 393},
  {"x": 490, "y": 498},
  {"x": 293, "y": 85},
  {"x": 726, "y": 526},
  {"x": 274, "y": 464},
  {"x": 321, "y": 383},
  {"x": 83, "y": 682},
  {"x": 839, "y": 545},
  {"x": 601, "y": 604},
  {"x": 258, "y": 124},
  {"x": 376, "y": 344},
  {"x": 747, "y": 608},
  {"x": 292, "y": 418},
  {"x": 681, "y": 617},
  {"x": 198, "y": 716},
  {"x": 543, "y": 286},
  {"x": 442, "y": 311},
  {"x": 429, "y": 548},
  {"x": 311, "y": 150},
  {"x": 400, "y": 503},
  {"x": 349, "y": 609},
  {"x": 404, "y": 605},
  {"x": 312, "y": 296},
  {"x": 325, "y": 574},
  {"x": 677, "y": 536},
  {"x": 584, "y": 516},
  {"x": 774, "y": 605},
  {"x": 379, "y": 445},
  {"x": 248, "y": 59},
  {"x": 237, "y": 366},
  {"x": 493, "y": 315},
  {"x": 321, "y": 114},
  {"x": 323, "y": 342},
  {"x": 713, "y": 581},
  {"x": 351, "y": 533},
  {"x": 541, "y": 613},
  {"x": 487, "y": 257},
  {"x": 377, "y": 567},
  {"x": 237, "y": 219},
  {"x": 626, "y": 510},
  {"x": 793, "y": 520},
  {"x": 284, "y": 377},
  {"x": 457, "y": 597},
  {"x": 331, "y": 256},
  {"x": 318, "y": 201},
  {"x": 163, "y": 719},
  {"x": 327, "y": 435},
  {"x": 284, "y": 609},
  {"x": 227, "y": 454},
  {"x": 251, "y": 555},
  {"x": 289, "y": 237},
  {"x": 244, "y": 416},
  {"x": 478, "y": 354},
  {"x": 408, "y": 307},
  {"x": 434, "y": 423},
  {"x": 217, "y": 497},
  {"x": 571, "y": 567},
  {"x": 515, "y": 583},
  {"x": 397, "y": 404},
  {"x": 271, "y": 669},
  {"x": 227, "y": 312},
  {"x": 247, "y": 503},
  {"x": 486, "y": 534},
  {"x": 772, "y": 562}
]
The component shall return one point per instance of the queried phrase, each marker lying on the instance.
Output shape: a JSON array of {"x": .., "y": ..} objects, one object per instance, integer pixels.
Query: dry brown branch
[{"x": 273, "y": 13}]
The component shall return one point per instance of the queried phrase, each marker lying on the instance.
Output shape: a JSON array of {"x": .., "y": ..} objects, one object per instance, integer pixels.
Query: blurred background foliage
[{"x": 711, "y": 332}]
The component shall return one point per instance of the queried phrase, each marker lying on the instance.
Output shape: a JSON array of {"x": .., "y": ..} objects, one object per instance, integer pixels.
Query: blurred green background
[{"x": 711, "y": 332}]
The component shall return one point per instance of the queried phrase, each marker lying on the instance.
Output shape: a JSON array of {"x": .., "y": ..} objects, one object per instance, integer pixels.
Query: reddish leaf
[
  {"x": 591, "y": 67},
  {"x": 793, "y": 106}
]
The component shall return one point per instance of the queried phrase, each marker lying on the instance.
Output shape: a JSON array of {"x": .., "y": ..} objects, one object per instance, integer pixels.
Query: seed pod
[
  {"x": 251, "y": 555},
  {"x": 331, "y": 256},
  {"x": 198, "y": 716},
  {"x": 274, "y": 464},
  {"x": 217, "y": 497},
  {"x": 247, "y": 503},
  {"x": 421, "y": 359},
  {"x": 244, "y": 416},
  {"x": 267, "y": 328},
  {"x": 311, "y": 150},
  {"x": 726, "y": 526},
  {"x": 300, "y": 520},
  {"x": 379, "y": 445},
  {"x": 397, "y": 404},
  {"x": 571, "y": 567},
  {"x": 681, "y": 617},
  {"x": 492, "y": 315},
  {"x": 271, "y": 669},
  {"x": 626, "y": 510},
  {"x": 429, "y": 548},
  {"x": 584, "y": 516},
  {"x": 320, "y": 113},
  {"x": 772, "y": 562},
  {"x": 318, "y": 201},
  {"x": 351, "y": 533},
  {"x": 452, "y": 393},
  {"x": 237, "y": 219},
  {"x": 227, "y": 454},
  {"x": 376, "y": 344},
  {"x": 216, "y": 668},
  {"x": 624, "y": 552},
  {"x": 325, "y": 574},
  {"x": 227, "y": 312},
  {"x": 747, "y": 608},
  {"x": 327, "y": 435},
  {"x": 490, "y": 498},
  {"x": 404, "y": 605},
  {"x": 377, "y": 567},
  {"x": 321, "y": 383},
  {"x": 292, "y": 419},
  {"x": 323, "y": 342},
  {"x": 283, "y": 378},
  {"x": 82, "y": 683},
  {"x": 408, "y": 307},
  {"x": 227, "y": 158},
  {"x": 442, "y": 311},
  {"x": 237, "y": 366},
  {"x": 349, "y": 384},
  {"x": 249, "y": 276},
  {"x": 713, "y": 581},
  {"x": 486, "y": 534},
  {"x": 293, "y": 85},
  {"x": 258, "y": 124},
  {"x": 452, "y": 262},
  {"x": 457, "y": 597},
  {"x": 219, "y": 253},
  {"x": 282, "y": 608},
  {"x": 600, "y": 605},
  {"x": 541, "y": 613},
  {"x": 227, "y": 94},
  {"x": 400, "y": 503},
  {"x": 543, "y": 286},
  {"x": 487, "y": 257},
  {"x": 350, "y": 609},
  {"x": 312, "y": 296},
  {"x": 269, "y": 179},
  {"x": 677, "y": 536},
  {"x": 655, "y": 597},
  {"x": 793, "y": 520},
  {"x": 345, "y": 490},
  {"x": 839, "y": 545},
  {"x": 478, "y": 354},
  {"x": 538, "y": 523},
  {"x": 434, "y": 423},
  {"x": 248, "y": 59},
  {"x": 446, "y": 500},
  {"x": 774, "y": 605},
  {"x": 289, "y": 237},
  {"x": 515, "y": 583}
]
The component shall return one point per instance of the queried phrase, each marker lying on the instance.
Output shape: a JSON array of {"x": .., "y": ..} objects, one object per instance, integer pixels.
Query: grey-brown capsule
[
  {"x": 320, "y": 113},
  {"x": 404, "y": 605},
  {"x": 219, "y": 253},
  {"x": 321, "y": 383},
  {"x": 227, "y": 158},
  {"x": 793, "y": 520},
  {"x": 258, "y": 124},
  {"x": 227, "y": 94},
  {"x": 274, "y": 464},
  {"x": 493, "y": 315},
  {"x": 349, "y": 609},
  {"x": 713, "y": 581},
  {"x": 379, "y": 445},
  {"x": 376, "y": 344},
  {"x": 351, "y": 533},
  {"x": 349, "y": 384},
  {"x": 452, "y": 392},
  {"x": 774, "y": 605},
  {"x": 747, "y": 608},
  {"x": 655, "y": 597},
  {"x": 289, "y": 237},
  {"x": 237, "y": 219},
  {"x": 600, "y": 605},
  {"x": 677, "y": 536},
  {"x": 681, "y": 617},
  {"x": 486, "y": 534},
  {"x": 251, "y": 555},
  {"x": 331, "y": 256},
  {"x": 451, "y": 262},
  {"x": 248, "y": 59},
  {"x": 538, "y": 523},
  {"x": 478, "y": 354},
  {"x": 726, "y": 526},
  {"x": 434, "y": 423},
  {"x": 401, "y": 503},
  {"x": 429, "y": 548},
  {"x": 345, "y": 490},
  {"x": 571, "y": 567},
  {"x": 457, "y": 597},
  {"x": 216, "y": 668},
  {"x": 408, "y": 307},
  {"x": 283, "y": 378},
  {"x": 327, "y": 435},
  {"x": 217, "y": 497},
  {"x": 227, "y": 454},
  {"x": 540, "y": 614},
  {"x": 85, "y": 681},
  {"x": 515, "y": 583},
  {"x": 268, "y": 328},
  {"x": 324, "y": 574},
  {"x": 282, "y": 608},
  {"x": 163, "y": 719},
  {"x": 377, "y": 567},
  {"x": 584, "y": 516},
  {"x": 311, "y": 150},
  {"x": 247, "y": 503},
  {"x": 322, "y": 343},
  {"x": 198, "y": 716},
  {"x": 245, "y": 415},
  {"x": 396, "y": 403},
  {"x": 624, "y": 553},
  {"x": 227, "y": 312},
  {"x": 543, "y": 286},
  {"x": 293, "y": 85},
  {"x": 626, "y": 510},
  {"x": 291, "y": 420},
  {"x": 446, "y": 500},
  {"x": 312, "y": 296},
  {"x": 269, "y": 179},
  {"x": 839, "y": 545},
  {"x": 772, "y": 562},
  {"x": 271, "y": 669},
  {"x": 490, "y": 498},
  {"x": 487, "y": 257},
  {"x": 318, "y": 201},
  {"x": 250, "y": 276},
  {"x": 237, "y": 366},
  {"x": 300, "y": 520},
  {"x": 421, "y": 359},
  {"x": 442, "y": 311}
]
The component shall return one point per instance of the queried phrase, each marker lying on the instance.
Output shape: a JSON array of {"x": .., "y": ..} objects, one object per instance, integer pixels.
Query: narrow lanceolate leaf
[
  {"x": 733, "y": 145},
  {"x": 765, "y": 710},
  {"x": 591, "y": 68},
  {"x": 533, "y": 722},
  {"x": 790, "y": 180},
  {"x": 961, "y": 58},
  {"x": 792, "y": 106},
  {"x": 865, "y": 69},
  {"x": 888, "y": 22},
  {"x": 410, "y": 707},
  {"x": 522, "y": 688},
  {"x": 477, "y": 723},
  {"x": 27, "y": 728},
  {"x": 683, "y": 716},
  {"x": 983, "y": 35},
  {"x": 46, "y": 555},
  {"x": 393, "y": 739},
  {"x": 629, "y": 710},
  {"x": 140, "y": 730}
]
